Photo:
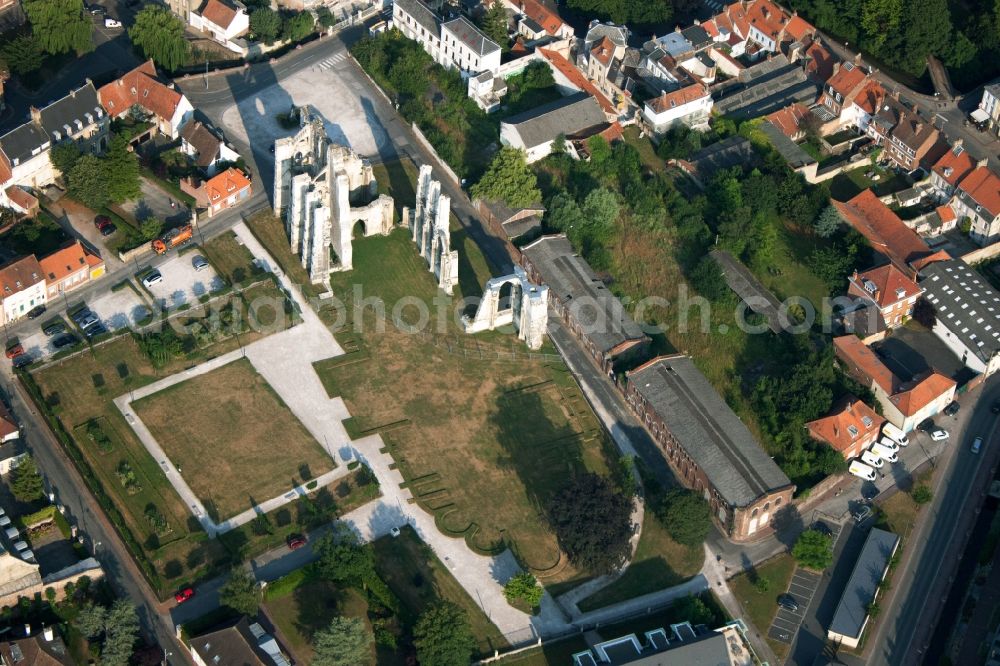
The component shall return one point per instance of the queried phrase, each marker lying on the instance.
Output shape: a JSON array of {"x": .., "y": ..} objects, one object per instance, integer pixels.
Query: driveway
[
  {"x": 78, "y": 221},
  {"x": 912, "y": 350},
  {"x": 182, "y": 284},
  {"x": 156, "y": 202}
]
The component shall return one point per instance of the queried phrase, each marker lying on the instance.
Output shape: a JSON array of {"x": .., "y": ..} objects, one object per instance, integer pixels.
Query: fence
[
  {"x": 471, "y": 348},
  {"x": 427, "y": 144}
]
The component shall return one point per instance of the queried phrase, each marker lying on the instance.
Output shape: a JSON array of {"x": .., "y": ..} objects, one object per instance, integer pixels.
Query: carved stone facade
[
  {"x": 512, "y": 299},
  {"x": 429, "y": 229},
  {"x": 322, "y": 190}
]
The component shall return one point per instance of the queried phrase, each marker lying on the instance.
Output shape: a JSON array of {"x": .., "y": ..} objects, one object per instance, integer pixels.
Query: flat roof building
[
  {"x": 851, "y": 617},
  {"x": 707, "y": 445},
  {"x": 583, "y": 301}
]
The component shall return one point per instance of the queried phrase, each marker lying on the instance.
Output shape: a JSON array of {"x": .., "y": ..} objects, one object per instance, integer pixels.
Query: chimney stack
[
  {"x": 36, "y": 115},
  {"x": 27, "y": 629},
  {"x": 48, "y": 634}
]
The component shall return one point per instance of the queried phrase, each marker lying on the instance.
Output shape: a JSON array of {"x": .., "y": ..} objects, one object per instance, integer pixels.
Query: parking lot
[
  {"x": 119, "y": 309},
  {"x": 802, "y": 588},
  {"x": 182, "y": 284}
]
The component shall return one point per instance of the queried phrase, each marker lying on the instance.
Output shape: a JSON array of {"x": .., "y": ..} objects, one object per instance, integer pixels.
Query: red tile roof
[
  {"x": 18, "y": 275},
  {"x": 945, "y": 213},
  {"x": 141, "y": 87},
  {"x": 227, "y": 183},
  {"x": 870, "y": 97},
  {"x": 890, "y": 285},
  {"x": 21, "y": 198},
  {"x": 5, "y": 171},
  {"x": 836, "y": 429},
  {"x": 219, "y": 13},
  {"x": 846, "y": 79},
  {"x": 67, "y": 261},
  {"x": 984, "y": 187},
  {"x": 913, "y": 399},
  {"x": 677, "y": 98},
  {"x": 940, "y": 255},
  {"x": 8, "y": 426},
  {"x": 863, "y": 364},
  {"x": 954, "y": 165},
  {"x": 711, "y": 28},
  {"x": 798, "y": 28},
  {"x": 566, "y": 68},
  {"x": 542, "y": 15},
  {"x": 603, "y": 50},
  {"x": 821, "y": 61},
  {"x": 789, "y": 119},
  {"x": 767, "y": 17},
  {"x": 883, "y": 229}
]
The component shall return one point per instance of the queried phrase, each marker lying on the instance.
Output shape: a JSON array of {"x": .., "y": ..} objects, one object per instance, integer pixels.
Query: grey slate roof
[
  {"x": 421, "y": 13},
  {"x": 764, "y": 88},
  {"x": 567, "y": 116},
  {"x": 722, "y": 155},
  {"x": 788, "y": 149},
  {"x": 852, "y": 610},
  {"x": 532, "y": 25},
  {"x": 707, "y": 429},
  {"x": 22, "y": 141},
  {"x": 966, "y": 304},
  {"x": 616, "y": 33},
  {"x": 570, "y": 278},
  {"x": 697, "y": 35},
  {"x": 469, "y": 34}
]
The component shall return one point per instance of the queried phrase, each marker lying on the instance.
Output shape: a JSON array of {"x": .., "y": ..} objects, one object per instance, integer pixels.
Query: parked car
[
  {"x": 81, "y": 314},
  {"x": 95, "y": 330},
  {"x": 952, "y": 408},
  {"x": 153, "y": 277},
  {"x": 55, "y": 328},
  {"x": 927, "y": 425},
  {"x": 88, "y": 321},
  {"x": 872, "y": 459},
  {"x": 977, "y": 444},
  {"x": 889, "y": 430},
  {"x": 884, "y": 452},
  {"x": 788, "y": 602},
  {"x": 112, "y": 23},
  {"x": 296, "y": 541},
  {"x": 102, "y": 221},
  {"x": 15, "y": 350},
  {"x": 65, "y": 341},
  {"x": 861, "y": 470},
  {"x": 822, "y": 528},
  {"x": 199, "y": 263},
  {"x": 183, "y": 595},
  {"x": 36, "y": 312},
  {"x": 939, "y": 434},
  {"x": 108, "y": 229},
  {"x": 23, "y": 360}
]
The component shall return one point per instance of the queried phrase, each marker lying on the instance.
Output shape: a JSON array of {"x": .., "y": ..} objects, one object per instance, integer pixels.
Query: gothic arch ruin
[
  {"x": 430, "y": 231},
  {"x": 526, "y": 308}
]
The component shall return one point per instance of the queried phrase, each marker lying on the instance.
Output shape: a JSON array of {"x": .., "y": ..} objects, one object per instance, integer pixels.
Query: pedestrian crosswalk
[{"x": 332, "y": 61}]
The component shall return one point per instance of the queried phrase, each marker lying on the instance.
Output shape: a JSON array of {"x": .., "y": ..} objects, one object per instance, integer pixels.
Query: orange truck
[{"x": 173, "y": 238}]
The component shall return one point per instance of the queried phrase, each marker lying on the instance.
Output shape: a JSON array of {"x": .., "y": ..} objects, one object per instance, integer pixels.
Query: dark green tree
[
  {"x": 341, "y": 557},
  {"x": 298, "y": 26},
  {"x": 265, "y": 24},
  {"x": 813, "y": 550},
  {"x": 593, "y": 522},
  {"x": 60, "y": 26},
  {"x": 23, "y": 54},
  {"x": 346, "y": 642},
  {"x": 708, "y": 280},
  {"x": 494, "y": 24},
  {"x": 525, "y": 587},
  {"x": 924, "y": 313},
  {"x": 27, "y": 484},
  {"x": 508, "y": 179},
  {"x": 443, "y": 636},
  {"x": 625, "y": 11},
  {"x": 87, "y": 182},
  {"x": 694, "y": 610},
  {"x": 64, "y": 156},
  {"x": 159, "y": 34},
  {"x": 121, "y": 169},
  {"x": 239, "y": 592},
  {"x": 686, "y": 515},
  {"x": 922, "y": 494},
  {"x": 324, "y": 17},
  {"x": 117, "y": 629},
  {"x": 828, "y": 222}
]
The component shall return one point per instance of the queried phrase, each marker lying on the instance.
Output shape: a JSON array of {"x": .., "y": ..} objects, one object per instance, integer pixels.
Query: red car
[
  {"x": 15, "y": 350},
  {"x": 296, "y": 541},
  {"x": 102, "y": 221},
  {"x": 184, "y": 595}
]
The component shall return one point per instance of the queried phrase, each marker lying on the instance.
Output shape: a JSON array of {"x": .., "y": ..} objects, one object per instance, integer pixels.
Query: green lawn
[
  {"x": 760, "y": 606},
  {"x": 792, "y": 276},
  {"x": 270, "y": 232},
  {"x": 647, "y": 151},
  {"x": 659, "y": 563},
  {"x": 415, "y": 575},
  {"x": 846, "y": 185},
  {"x": 552, "y": 653},
  {"x": 231, "y": 259}
]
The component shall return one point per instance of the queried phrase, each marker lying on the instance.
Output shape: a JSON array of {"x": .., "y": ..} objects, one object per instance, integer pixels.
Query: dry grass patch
[{"x": 234, "y": 439}]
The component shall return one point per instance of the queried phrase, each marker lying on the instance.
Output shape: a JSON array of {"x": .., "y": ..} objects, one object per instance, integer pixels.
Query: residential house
[
  {"x": 690, "y": 106},
  {"x": 584, "y": 303},
  {"x": 849, "y": 429},
  {"x": 967, "y": 313},
  {"x": 610, "y": 63},
  {"x": 886, "y": 233},
  {"x": 43, "y": 649},
  {"x": 9, "y": 431},
  {"x": 736, "y": 150},
  {"x": 910, "y": 141},
  {"x": 141, "y": 94},
  {"x": 950, "y": 169},
  {"x": 225, "y": 190},
  {"x": 840, "y": 91},
  {"x": 988, "y": 112},
  {"x": 70, "y": 268},
  {"x": 977, "y": 197},
  {"x": 707, "y": 445},
  {"x": 22, "y": 288},
  {"x": 763, "y": 88},
  {"x": 889, "y": 289},
  {"x": 862, "y": 588},
  {"x": 224, "y": 20},
  {"x": 683, "y": 644},
  {"x": 455, "y": 43},
  {"x": 24, "y": 150},
  {"x": 206, "y": 147},
  {"x": 541, "y": 15},
  {"x": 905, "y": 403},
  {"x": 240, "y": 642},
  {"x": 759, "y": 27},
  {"x": 534, "y": 131},
  {"x": 791, "y": 120},
  {"x": 12, "y": 451}
]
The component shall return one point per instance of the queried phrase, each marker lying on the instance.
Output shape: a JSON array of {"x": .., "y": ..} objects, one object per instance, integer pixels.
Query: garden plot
[{"x": 182, "y": 284}]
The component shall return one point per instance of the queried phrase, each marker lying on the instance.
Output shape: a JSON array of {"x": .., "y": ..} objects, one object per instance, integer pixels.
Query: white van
[
  {"x": 871, "y": 459},
  {"x": 861, "y": 470},
  {"x": 889, "y": 443},
  {"x": 889, "y": 430},
  {"x": 884, "y": 453}
]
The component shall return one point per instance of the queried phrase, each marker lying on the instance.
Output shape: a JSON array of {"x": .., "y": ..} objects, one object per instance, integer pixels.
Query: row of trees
[
  {"x": 268, "y": 25},
  {"x": 54, "y": 27}
]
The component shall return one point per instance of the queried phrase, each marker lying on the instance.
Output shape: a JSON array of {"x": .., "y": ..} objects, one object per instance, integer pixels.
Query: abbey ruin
[
  {"x": 323, "y": 191},
  {"x": 428, "y": 224},
  {"x": 512, "y": 299}
]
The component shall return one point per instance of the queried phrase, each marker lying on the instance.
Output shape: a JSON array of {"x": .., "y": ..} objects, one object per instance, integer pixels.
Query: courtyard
[{"x": 232, "y": 438}]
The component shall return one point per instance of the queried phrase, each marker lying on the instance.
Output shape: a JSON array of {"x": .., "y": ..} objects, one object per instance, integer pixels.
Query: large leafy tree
[
  {"x": 23, "y": 54},
  {"x": 60, "y": 26},
  {"x": 121, "y": 168},
  {"x": 159, "y": 34},
  {"x": 813, "y": 550},
  {"x": 494, "y": 23},
  {"x": 508, "y": 179},
  {"x": 341, "y": 557},
  {"x": 239, "y": 592},
  {"x": 64, "y": 156},
  {"x": 116, "y": 627},
  {"x": 298, "y": 26},
  {"x": 625, "y": 11},
  {"x": 265, "y": 24},
  {"x": 346, "y": 642},
  {"x": 443, "y": 636},
  {"x": 593, "y": 522},
  {"x": 686, "y": 515},
  {"x": 27, "y": 485}
]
